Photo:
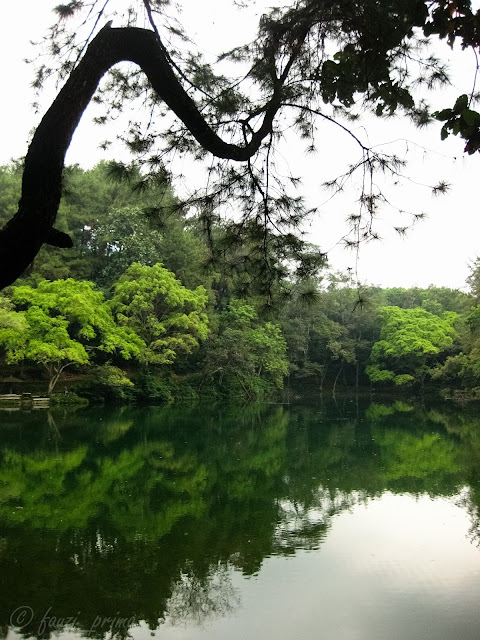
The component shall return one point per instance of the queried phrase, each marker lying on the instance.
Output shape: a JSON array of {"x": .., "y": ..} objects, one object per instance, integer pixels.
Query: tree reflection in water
[
  {"x": 198, "y": 599},
  {"x": 146, "y": 513}
]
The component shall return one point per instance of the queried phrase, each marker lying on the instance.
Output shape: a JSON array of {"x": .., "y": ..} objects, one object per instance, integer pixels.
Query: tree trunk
[
  {"x": 55, "y": 374},
  {"x": 336, "y": 378},
  {"x": 52, "y": 382}
]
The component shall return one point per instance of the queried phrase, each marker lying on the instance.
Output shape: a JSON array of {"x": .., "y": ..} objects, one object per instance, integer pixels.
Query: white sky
[{"x": 436, "y": 252}]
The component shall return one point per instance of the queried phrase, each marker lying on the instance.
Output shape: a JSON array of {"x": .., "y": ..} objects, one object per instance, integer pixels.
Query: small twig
[{"x": 329, "y": 118}]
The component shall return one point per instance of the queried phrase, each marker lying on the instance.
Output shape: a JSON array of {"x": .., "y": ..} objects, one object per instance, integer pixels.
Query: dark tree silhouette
[
  {"x": 24, "y": 234},
  {"x": 365, "y": 64}
]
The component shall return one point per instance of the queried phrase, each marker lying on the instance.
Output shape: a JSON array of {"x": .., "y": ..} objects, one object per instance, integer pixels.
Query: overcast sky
[{"x": 436, "y": 252}]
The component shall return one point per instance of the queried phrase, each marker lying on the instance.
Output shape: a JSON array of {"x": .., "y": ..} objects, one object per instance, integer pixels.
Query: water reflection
[{"x": 122, "y": 520}]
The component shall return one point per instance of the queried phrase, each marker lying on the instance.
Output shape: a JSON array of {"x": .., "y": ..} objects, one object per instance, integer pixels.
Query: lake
[{"x": 353, "y": 520}]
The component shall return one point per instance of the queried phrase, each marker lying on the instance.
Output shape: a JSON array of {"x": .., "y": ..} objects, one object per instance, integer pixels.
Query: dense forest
[{"x": 141, "y": 309}]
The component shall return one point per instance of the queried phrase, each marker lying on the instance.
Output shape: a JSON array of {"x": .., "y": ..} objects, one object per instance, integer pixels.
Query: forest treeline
[{"x": 155, "y": 303}]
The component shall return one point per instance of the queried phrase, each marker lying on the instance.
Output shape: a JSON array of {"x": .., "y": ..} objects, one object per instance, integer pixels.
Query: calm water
[{"x": 352, "y": 521}]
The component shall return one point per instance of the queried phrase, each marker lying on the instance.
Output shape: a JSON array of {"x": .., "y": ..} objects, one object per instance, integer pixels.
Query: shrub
[{"x": 108, "y": 384}]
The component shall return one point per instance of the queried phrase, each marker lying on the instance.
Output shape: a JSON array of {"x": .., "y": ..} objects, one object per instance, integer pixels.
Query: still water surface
[{"x": 352, "y": 521}]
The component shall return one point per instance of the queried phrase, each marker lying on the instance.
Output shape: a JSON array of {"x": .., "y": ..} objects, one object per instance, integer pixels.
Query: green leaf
[
  {"x": 461, "y": 104},
  {"x": 472, "y": 118},
  {"x": 443, "y": 115}
]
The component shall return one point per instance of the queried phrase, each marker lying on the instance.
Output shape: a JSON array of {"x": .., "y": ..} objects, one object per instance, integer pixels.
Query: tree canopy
[
  {"x": 58, "y": 323},
  {"x": 311, "y": 60},
  {"x": 188, "y": 341},
  {"x": 410, "y": 340},
  {"x": 169, "y": 317}
]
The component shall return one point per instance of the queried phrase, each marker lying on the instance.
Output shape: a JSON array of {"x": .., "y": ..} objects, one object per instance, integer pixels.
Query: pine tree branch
[{"x": 24, "y": 234}]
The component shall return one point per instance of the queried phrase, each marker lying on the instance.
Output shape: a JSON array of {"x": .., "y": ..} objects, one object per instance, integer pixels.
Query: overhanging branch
[{"x": 24, "y": 234}]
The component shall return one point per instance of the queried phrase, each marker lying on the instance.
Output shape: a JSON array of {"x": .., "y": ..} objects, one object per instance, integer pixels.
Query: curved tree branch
[{"x": 24, "y": 234}]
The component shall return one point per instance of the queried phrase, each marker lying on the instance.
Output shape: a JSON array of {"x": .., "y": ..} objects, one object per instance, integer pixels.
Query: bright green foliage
[
  {"x": 169, "y": 317},
  {"x": 379, "y": 375},
  {"x": 247, "y": 358},
  {"x": 59, "y": 323},
  {"x": 410, "y": 342},
  {"x": 12, "y": 324},
  {"x": 410, "y": 455},
  {"x": 268, "y": 348},
  {"x": 46, "y": 342},
  {"x": 403, "y": 378},
  {"x": 89, "y": 318}
]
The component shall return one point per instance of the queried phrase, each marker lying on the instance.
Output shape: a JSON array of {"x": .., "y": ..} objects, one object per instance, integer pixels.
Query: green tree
[
  {"x": 246, "y": 358},
  {"x": 60, "y": 324},
  {"x": 330, "y": 330},
  {"x": 168, "y": 317},
  {"x": 118, "y": 217},
  {"x": 13, "y": 326},
  {"x": 10, "y": 188},
  {"x": 129, "y": 234},
  {"x": 411, "y": 340},
  {"x": 318, "y": 346},
  {"x": 434, "y": 299},
  {"x": 473, "y": 280},
  {"x": 463, "y": 369},
  {"x": 88, "y": 197},
  {"x": 115, "y": 218},
  {"x": 46, "y": 342}
]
